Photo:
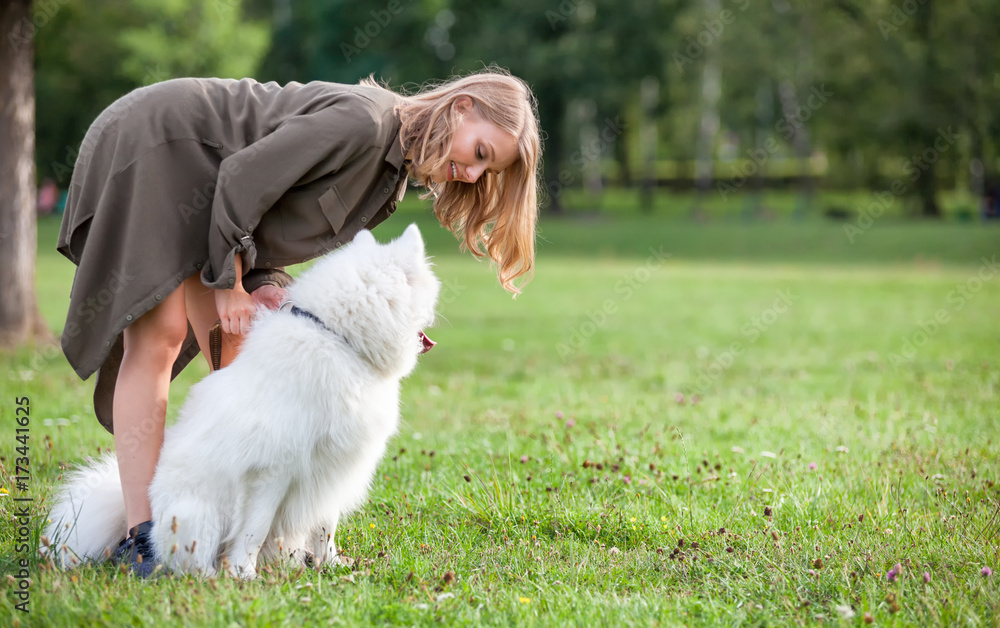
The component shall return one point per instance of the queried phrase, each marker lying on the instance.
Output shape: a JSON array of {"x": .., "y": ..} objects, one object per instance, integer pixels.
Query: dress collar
[{"x": 395, "y": 154}]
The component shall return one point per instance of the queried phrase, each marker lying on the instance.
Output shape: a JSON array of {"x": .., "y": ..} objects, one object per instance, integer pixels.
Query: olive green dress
[{"x": 178, "y": 177}]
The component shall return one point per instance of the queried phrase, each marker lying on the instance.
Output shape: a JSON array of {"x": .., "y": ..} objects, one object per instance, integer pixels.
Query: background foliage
[
  {"x": 722, "y": 78},
  {"x": 596, "y": 452}
]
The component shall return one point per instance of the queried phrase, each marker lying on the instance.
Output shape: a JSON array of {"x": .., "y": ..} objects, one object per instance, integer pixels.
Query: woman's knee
[{"x": 162, "y": 330}]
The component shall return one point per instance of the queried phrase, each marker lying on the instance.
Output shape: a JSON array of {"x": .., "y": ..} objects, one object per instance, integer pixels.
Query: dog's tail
[{"x": 88, "y": 519}]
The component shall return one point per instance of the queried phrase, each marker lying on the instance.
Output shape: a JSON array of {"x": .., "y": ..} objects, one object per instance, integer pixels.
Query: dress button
[
  {"x": 267, "y": 264},
  {"x": 107, "y": 344},
  {"x": 364, "y": 219},
  {"x": 129, "y": 317},
  {"x": 198, "y": 265},
  {"x": 385, "y": 190},
  {"x": 159, "y": 298},
  {"x": 232, "y": 282}
]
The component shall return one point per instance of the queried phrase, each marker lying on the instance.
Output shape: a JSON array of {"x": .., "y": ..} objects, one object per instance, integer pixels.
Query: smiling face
[{"x": 477, "y": 146}]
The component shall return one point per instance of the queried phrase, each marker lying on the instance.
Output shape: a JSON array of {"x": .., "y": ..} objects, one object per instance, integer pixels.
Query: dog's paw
[
  {"x": 303, "y": 557},
  {"x": 243, "y": 572},
  {"x": 334, "y": 559},
  {"x": 343, "y": 559}
]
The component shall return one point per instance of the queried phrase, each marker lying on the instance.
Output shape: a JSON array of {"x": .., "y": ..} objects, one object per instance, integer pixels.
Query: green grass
[{"x": 547, "y": 471}]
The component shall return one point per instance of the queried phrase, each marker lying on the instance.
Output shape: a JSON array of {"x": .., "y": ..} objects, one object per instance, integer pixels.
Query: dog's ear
[
  {"x": 412, "y": 242},
  {"x": 364, "y": 238}
]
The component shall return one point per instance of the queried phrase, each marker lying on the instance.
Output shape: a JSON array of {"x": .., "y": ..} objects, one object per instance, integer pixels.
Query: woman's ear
[{"x": 462, "y": 105}]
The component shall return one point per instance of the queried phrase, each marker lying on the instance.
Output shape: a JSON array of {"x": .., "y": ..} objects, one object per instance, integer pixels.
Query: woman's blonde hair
[{"x": 494, "y": 217}]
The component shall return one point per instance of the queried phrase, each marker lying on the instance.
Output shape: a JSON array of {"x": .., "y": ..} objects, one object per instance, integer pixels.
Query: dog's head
[{"x": 380, "y": 297}]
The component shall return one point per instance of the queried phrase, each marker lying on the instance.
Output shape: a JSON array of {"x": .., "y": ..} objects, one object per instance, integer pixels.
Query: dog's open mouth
[{"x": 427, "y": 342}]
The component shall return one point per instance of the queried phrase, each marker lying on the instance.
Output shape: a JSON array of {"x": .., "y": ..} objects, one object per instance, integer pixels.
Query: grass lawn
[{"x": 730, "y": 423}]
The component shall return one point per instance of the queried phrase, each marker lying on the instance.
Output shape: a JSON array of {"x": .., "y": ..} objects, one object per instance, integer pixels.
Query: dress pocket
[
  {"x": 334, "y": 208},
  {"x": 308, "y": 215}
]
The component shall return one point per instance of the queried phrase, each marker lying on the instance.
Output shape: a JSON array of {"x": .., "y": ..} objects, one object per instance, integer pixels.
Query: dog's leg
[
  {"x": 292, "y": 546},
  {"x": 261, "y": 501},
  {"x": 324, "y": 546},
  {"x": 187, "y": 534}
]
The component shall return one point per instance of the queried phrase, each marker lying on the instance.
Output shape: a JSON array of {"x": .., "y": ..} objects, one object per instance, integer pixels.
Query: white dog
[{"x": 269, "y": 452}]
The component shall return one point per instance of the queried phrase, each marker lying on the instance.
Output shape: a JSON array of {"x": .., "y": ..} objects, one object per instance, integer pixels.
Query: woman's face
[{"x": 478, "y": 146}]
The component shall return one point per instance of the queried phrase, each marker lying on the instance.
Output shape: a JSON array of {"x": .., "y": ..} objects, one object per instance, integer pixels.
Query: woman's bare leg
[
  {"x": 152, "y": 343},
  {"x": 201, "y": 311}
]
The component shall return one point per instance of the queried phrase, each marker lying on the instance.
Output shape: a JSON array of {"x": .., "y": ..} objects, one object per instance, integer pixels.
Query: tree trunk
[
  {"x": 20, "y": 320},
  {"x": 621, "y": 154},
  {"x": 753, "y": 203},
  {"x": 708, "y": 129},
  {"x": 591, "y": 147},
  {"x": 552, "y": 111},
  {"x": 801, "y": 139},
  {"x": 927, "y": 188},
  {"x": 650, "y": 101}
]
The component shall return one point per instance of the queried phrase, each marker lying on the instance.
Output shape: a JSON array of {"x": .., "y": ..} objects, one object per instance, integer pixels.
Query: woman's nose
[{"x": 474, "y": 172}]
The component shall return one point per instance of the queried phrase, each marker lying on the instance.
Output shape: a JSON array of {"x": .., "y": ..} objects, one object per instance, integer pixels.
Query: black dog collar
[{"x": 304, "y": 314}]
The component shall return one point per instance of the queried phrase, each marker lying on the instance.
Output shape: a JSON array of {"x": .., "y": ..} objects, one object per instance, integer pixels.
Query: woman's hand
[
  {"x": 236, "y": 309},
  {"x": 269, "y": 296}
]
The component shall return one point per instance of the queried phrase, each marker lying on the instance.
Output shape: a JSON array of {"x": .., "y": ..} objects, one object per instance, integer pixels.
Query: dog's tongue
[{"x": 428, "y": 343}]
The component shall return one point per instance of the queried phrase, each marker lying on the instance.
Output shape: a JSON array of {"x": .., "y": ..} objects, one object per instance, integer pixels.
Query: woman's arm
[
  {"x": 301, "y": 149},
  {"x": 234, "y": 305}
]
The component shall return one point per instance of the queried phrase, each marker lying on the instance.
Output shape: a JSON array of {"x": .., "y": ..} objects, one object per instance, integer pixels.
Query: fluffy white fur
[{"x": 270, "y": 452}]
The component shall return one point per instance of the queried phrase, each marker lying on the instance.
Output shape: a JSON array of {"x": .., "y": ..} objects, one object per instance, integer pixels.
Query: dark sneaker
[{"x": 137, "y": 550}]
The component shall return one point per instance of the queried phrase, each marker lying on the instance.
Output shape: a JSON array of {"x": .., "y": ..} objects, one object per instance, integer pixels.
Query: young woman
[{"x": 183, "y": 187}]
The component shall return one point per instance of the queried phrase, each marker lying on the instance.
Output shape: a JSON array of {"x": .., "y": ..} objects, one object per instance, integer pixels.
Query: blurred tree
[
  {"x": 91, "y": 53},
  {"x": 709, "y": 48},
  {"x": 901, "y": 94},
  {"x": 20, "y": 319},
  {"x": 573, "y": 51},
  {"x": 191, "y": 38},
  {"x": 78, "y": 74},
  {"x": 968, "y": 66},
  {"x": 343, "y": 41},
  {"x": 293, "y": 40},
  {"x": 543, "y": 48},
  {"x": 915, "y": 92},
  {"x": 898, "y": 75},
  {"x": 567, "y": 52}
]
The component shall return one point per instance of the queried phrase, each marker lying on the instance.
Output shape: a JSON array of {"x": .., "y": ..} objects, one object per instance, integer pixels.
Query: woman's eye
[{"x": 479, "y": 152}]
